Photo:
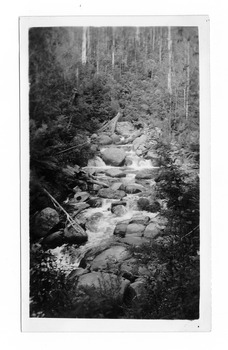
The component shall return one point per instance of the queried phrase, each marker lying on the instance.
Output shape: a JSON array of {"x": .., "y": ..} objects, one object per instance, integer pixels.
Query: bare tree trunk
[
  {"x": 84, "y": 57},
  {"x": 113, "y": 48},
  {"x": 188, "y": 81},
  {"x": 160, "y": 46},
  {"x": 170, "y": 61},
  {"x": 98, "y": 50}
]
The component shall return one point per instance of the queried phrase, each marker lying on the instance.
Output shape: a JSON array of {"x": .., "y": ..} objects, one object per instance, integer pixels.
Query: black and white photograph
[{"x": 112, "y": 121}]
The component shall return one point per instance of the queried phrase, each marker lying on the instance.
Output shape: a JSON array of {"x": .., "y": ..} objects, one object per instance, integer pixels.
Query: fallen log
[{"x": 72, "y": 222}]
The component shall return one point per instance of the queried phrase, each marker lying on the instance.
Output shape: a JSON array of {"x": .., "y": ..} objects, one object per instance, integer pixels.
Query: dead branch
[{"x": 73, "y": 222}]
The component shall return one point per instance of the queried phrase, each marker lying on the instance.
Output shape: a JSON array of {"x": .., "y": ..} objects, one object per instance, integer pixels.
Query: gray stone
[
  {"x": 139, "y": 287},
  {"x": 104, "y": 282},
  {"x": 134, "y": 188},
  {"x": 45, "y": 221},
  {"x": 143, "y": 203},
  {"x": 113, "y": 156},
  {"x": 147, "y": 174},
  {"x": 81, "y": 196},
  {"x": 135, "y": 229},
  {"x": 144, "y": 220},
  {"x": 119, "y": 210},
  {"x": 118, "y": 186},
  {"x": 74, "y": 237},
  {"x": 115, "y": 173},
  {"x": 54, "y": 240},
  {"x": 120, "y": 229},
  {"x": 92, "y": 223},
  {"x": 104, "y": 140},
  {"x": 95, "y": 202},
  {"x": 110, "y": 257},
  {"x": 133, "y": 240},
  {"x": 124, "y": 128},
  {"x": 115, "y": 138},
  {"x": 109, "y": 193},
  {"x": 151, "y": 231},
  {"x": 139, "y": 141}
]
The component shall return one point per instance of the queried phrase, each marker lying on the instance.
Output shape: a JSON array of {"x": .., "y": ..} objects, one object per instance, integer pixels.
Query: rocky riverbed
[{"x": 120, "y": 214}]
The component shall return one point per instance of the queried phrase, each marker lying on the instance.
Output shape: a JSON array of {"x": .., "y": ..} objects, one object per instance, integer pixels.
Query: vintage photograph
[{"x": 114, "y": 172}]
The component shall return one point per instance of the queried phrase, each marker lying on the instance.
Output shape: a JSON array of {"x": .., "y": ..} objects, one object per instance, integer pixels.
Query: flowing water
[{"x": 103, "y": 220}]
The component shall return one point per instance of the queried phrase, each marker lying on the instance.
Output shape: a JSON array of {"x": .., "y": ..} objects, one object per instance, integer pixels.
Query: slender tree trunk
[
  {"x": 188, "y": 81},
  {"x": 84, "y": 56},
  {"x": 98, "y": 50},
  {"x": 170, "y": 61},
  {"x": 113, "y": 48},
  {"x": 160, "y": 46}
]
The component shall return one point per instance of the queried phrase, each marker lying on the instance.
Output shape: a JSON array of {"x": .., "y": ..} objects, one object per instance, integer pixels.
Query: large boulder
[
  {"x": 55, "y": 239},
  {"x": 134, "y": 240},
  {"x": 102, "y": 283},
  {"x": 109, "y": 193},
  {"x": 134, "y": 188},
  {"x": 115, "y": 138},
  {"x": 135, "y": 229},
  {"x": 124, "y": 128},
  {"x": 120, "y": 229},
  {"x": 147, "y": 174},
  {"x": 119, "y": 210},
  {"x": 115, "y": 173},
  {"x": 104, "y": 140},
  {"x": 118, "y": 186},
  {"x": 113, "y": 156},
  {"x": 71, "y": 235},
  {"x": 110, "y": 257},
  {"x": 95, "y": 202},
  {"x": 144, "y": 220},
  {"x": 151, "y": 231},
  {"x": 45, "y": 221},
  {"x": 139, "y": 142},
  {"x": 143, "y": 203}
]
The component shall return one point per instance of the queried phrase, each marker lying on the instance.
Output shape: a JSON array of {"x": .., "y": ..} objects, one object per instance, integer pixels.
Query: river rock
[
  {"x": 134, "y": 188},
  {"x": 77, "y": 272},
  {"x": 128, "y": 161},
  {"x": 45, "y": 221},
  {"x": 129, "y": 269},
  {"x": 115, "y": 173},
  {"x": 143, "y": 203},
  {"x": 95, "y": 202},
  {"x": 74, "y": 237},
  {"x": 119, "y": 210},
  {"x": 115, "y": 138},
  {"x": 135, "y": 229},
  {"x": 104, "y": 283},
  {"x": 55, "y": 239},
  {"x": 151, "y": 231},
  {"x": 118, "y": 186},
  {"x": 139, "y": 287},
  {"x": 79, "y": 206},
  {"x": 104, "y": 140},
  {"x": 134, "y": 241},
  {"x": 110, "y": 257},
  {"x": 147, "y": 174},
  {"x": 81, "y": 196},
  {"x": 109, "y": 193},
  {"x": 113, "y": 156},
  {"x": 139, "y": 141},
  {"x": 120, "y": 229},
  {"x": 144, "y": 220},
  {"x": 154, "y": 207},
  {"x": 92, "y": 223},
  {"x": 124, "y": 128}
]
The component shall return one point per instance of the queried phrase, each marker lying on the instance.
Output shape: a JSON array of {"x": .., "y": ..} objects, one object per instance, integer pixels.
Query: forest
[{"x": 114, "y": 172}]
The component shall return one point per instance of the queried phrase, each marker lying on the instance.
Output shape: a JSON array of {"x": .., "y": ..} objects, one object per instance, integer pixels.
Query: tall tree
[
  {"x": 169, "y": 61},
  {"x": 84, "y": 54}
]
